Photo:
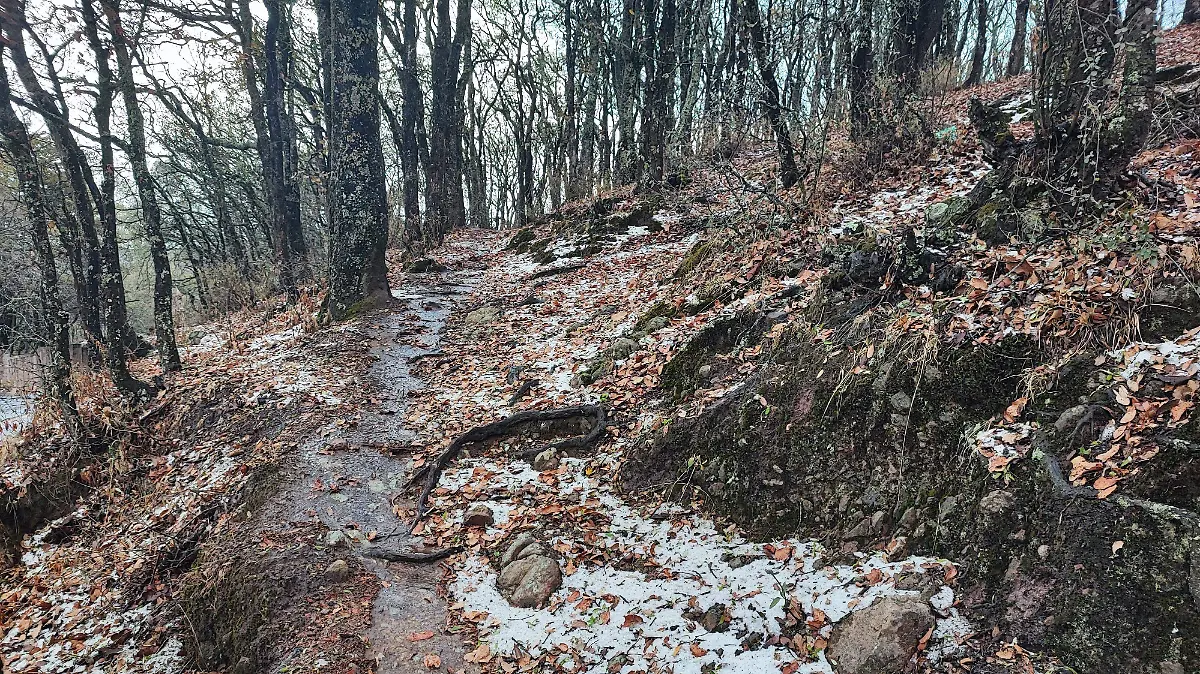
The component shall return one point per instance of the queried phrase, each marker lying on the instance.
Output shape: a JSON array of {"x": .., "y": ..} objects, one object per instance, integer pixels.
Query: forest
[{"x": 639, "y": 336}]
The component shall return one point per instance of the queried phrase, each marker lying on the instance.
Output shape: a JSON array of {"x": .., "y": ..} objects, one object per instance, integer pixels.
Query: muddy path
[{"x": 352, "y": 479}]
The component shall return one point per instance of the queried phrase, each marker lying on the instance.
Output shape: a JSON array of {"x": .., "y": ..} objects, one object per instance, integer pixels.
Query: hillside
[{"x": 831, "y": 428}]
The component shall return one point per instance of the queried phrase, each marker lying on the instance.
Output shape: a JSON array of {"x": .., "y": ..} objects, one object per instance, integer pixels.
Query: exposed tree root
[
  {"x": 503, "y": 428},
  {"x": 411, "y": 557}
]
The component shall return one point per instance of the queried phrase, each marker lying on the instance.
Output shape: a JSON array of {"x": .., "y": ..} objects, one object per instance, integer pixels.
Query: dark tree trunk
[
  {"x": 284, "y": 230},
  {"x": 358, "y": 227},
  {"x": 445, "y": 204},
  {"x": 290, "y": 167},
  {"x": 117, "y": 334},
  {"x": 164, "y": 320},
  {"x": 788, "y": 173},
  {"x": 1191, "y": 12},
  {"x": 411, "y": 117},
  {"x": 29, "y": 190},
  {"x": 627, "y": 71},
  {"x": 862, "y": 70},
  {"x": 917, "y": 26},
  {"x": 83, "y": 236},
  {"x": 1016, "y": 54},
  {"x": 660, "y": 78},
  {"x": 975, "y": 76},
  {"x": 272, "y": 178}
]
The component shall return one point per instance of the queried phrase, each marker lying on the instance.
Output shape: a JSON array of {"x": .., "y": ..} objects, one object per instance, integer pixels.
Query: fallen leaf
[
  {"x": 432, "y": 661},
  {"x": 421, "y": 636}
]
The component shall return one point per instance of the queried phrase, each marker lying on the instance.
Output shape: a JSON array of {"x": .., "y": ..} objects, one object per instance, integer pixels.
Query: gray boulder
[
  {"x": 528, "y": 582},
  {"x": 880, "y": 639}
]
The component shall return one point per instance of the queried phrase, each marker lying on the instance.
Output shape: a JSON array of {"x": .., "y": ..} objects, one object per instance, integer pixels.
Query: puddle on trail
[{"x": 367, "y": 480}]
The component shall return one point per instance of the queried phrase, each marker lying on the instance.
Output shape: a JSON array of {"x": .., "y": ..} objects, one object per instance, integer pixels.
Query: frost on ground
[{"x": 767, "y": 606}]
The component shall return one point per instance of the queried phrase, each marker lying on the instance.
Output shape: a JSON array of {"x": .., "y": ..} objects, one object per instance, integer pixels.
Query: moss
[
  {"x": 698, "y": 253},
  {"x": 802, "y": 450},
  {"x": 519, "y": 241},
  {"x": 659, "y": 309}
]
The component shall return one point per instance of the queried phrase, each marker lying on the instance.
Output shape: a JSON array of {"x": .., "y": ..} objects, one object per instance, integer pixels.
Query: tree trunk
[
  {"x": 55, "y": 113},
  {"x": 862, "y": 70},
  {"x": 285, "y": 230},
  {"x": 29, "y": 190},
  {"x": 788, "y": 173},
  {"x": 445, "y": 205},
  {"x": 1016, "y": 54},
  {"x": 164, "y": 320},
  {"x": 1191, "y": 12},
  {"x": 411, "y": 117},
  {"x": 627, "y": 70},
  {"x": 290, "y": 142},
  {"x": 975, "y": 76},
  {"x": 917, "y": 26},
  {"x": 358, "y": 227},
  {"x": 117, "y": 334},
  {"x": 263, "y": 140}
]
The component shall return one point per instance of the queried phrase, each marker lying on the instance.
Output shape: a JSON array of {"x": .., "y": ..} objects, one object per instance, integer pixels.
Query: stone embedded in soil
[
  {"x": 337, "y": 571},
  {"x": 479, "y": 515},
  {"x": 546, "y": 460},
  {"x": 880, "y": 639},
  {"x": 528, "y": 573},
  {"x": 528, "y": 582},
  {"x": 483, "y": 316},
  {"x": 339, "y": 445}
]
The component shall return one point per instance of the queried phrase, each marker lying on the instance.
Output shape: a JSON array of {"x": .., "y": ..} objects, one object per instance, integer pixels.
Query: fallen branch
[
  {"x": 502, "y": 428},
  {"x": 554, "y": 271}
]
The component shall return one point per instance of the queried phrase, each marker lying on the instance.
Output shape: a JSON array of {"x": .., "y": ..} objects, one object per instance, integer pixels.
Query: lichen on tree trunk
[{"x": 357, "y": 194}]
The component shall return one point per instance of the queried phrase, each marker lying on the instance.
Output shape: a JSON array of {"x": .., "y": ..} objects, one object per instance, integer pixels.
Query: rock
[
  {"x": 705, "y": 372},
  {"x": 478, "y": 515},
  {"x": 861, "y": 530},
  {"x": 947, "y": 212},
  {"x": 655, "y": 324},
  {"x": 996, "y": 504},
  {"x": 622, "y": 347},
  {"x": 901, "y": 401},
  {"x": 1069, "y": 419},
  {"x": 338, "y": 445},
  {"x": 908, "y": 520},
  {"x": 547, "y": 459},
  {"x": 716, "y": 618},
  {"x": 424, "y": 265},
  {"x": 337, "y": 571},
  {"x": 880, "y": 639},
  {"x": 483, "y": 316},
  {"x": 335, "y": 538},
  {"x": 528, "y": 582},
  {"x": 877, "y": 521},
  {"x": 522, "y": 541}
]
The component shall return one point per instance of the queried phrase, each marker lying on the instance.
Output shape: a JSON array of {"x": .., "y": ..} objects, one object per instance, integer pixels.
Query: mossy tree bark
[
  {"x": 20, "y": 151},
  {"x": 164, "y": 320},
  {"x": 1087, "y": 128},
  {"x": 358, "y": 227}
]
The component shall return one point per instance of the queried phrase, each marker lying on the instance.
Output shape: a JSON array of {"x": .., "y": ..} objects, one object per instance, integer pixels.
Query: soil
[{"x": 337, "y": 497}]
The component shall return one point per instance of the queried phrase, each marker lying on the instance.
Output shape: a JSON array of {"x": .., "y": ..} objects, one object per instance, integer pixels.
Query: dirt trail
[{"x": 369, "y": 480}]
